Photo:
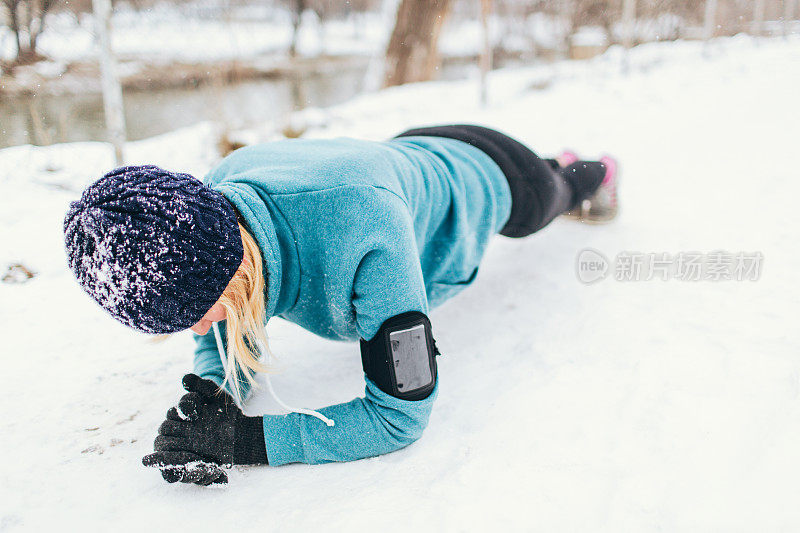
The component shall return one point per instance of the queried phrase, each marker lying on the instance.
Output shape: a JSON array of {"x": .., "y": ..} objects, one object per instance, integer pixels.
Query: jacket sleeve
[
  {"x": 365, "y": 427},
  {"x": 387, "y": 283},
  {"x": 207, "y": 362}
]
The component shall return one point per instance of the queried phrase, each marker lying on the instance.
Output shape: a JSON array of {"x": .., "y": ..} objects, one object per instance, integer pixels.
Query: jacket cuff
[
  {"x": 282, "y": 438},
  {"x": 212, "y": 376}
]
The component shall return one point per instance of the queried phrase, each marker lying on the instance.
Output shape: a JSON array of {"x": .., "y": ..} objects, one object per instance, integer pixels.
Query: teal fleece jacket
[{"x": 352, "y": 233}]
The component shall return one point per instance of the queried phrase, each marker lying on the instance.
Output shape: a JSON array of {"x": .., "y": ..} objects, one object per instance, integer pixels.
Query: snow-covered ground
[{"x": 617, "y": 406}]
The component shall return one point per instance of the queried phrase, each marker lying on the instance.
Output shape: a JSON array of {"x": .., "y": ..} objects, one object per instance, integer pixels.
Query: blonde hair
[{"x": 245, "y": 318}]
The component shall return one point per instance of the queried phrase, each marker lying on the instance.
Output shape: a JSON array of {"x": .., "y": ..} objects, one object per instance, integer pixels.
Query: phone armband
[{"x": 401, "y": 357}]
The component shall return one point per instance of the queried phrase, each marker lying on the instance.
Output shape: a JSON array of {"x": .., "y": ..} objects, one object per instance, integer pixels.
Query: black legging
[{"x": 540, "y": 190}]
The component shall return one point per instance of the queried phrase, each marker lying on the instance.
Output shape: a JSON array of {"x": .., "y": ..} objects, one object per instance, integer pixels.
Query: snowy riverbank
[
  {"x": 169, "y": 46},
  {"x": 617, "y": 406}
]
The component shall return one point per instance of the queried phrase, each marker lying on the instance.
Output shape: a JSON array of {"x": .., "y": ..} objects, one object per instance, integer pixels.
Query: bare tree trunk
[
  {"x": 788, "y": 15},
  {"x": 33, "y": 37},
  {"x": 112, "y": 91},
  {"x": 567, "y": 12},
  {"x": 758, "y": 18},
  {"x": 297, "y": 18},
  {"x": 13, "y": 22},
  {"x": 25, "y": 23},
  {"x": 27, "y": 17},
  {"x": 40, "y": 134},
  {"x": 412, "y": 52},
  {"x": 710, "y": 21},
  {"x": 628, "y": 20},
  {"x": 486, "y": 55}
]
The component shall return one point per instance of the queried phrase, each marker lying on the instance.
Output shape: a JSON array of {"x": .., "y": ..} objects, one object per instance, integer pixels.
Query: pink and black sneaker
[
  {"x": 601, "y": 207},
  {"x": 566, "y": 158}
]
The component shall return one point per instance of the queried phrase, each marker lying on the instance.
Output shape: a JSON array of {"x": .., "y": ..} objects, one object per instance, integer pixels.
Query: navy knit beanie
[{"x": 154, "y": 248}]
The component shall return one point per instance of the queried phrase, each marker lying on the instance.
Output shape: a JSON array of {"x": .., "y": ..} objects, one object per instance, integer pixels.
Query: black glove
[
  {"x": 214, "y": 433},
  {"x": 186, "y": 467}
]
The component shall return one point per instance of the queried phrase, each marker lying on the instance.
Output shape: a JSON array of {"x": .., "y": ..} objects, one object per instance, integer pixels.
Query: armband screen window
[{"x": 412, "y": 368}]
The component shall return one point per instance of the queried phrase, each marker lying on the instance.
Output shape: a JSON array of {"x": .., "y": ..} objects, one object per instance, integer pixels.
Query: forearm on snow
[{"x": 364, "y": 427}]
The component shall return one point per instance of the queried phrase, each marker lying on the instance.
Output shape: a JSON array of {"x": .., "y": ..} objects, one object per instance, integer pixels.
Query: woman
[{"x": 350, "y": 239}]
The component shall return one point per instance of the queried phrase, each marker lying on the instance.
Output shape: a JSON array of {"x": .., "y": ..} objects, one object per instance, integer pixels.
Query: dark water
[{"x": 52, "y": 119}]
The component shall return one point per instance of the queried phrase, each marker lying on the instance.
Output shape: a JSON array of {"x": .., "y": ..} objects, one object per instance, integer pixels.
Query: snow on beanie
[{"x": 154, "y": 248}]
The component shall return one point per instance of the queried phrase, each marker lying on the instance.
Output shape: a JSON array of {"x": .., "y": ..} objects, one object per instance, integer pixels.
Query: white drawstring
[
  {"x": 308, "y": 412},
  {"x": 223, "y": 354}
]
